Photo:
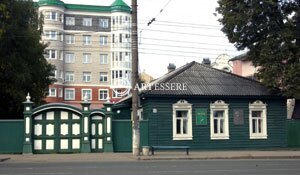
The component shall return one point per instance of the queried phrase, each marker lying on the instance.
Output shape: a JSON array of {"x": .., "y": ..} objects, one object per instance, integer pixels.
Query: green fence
[
  {"x": 11, "y": 136},
  {"x": 293, "y": 127},
  {"x": 122, "y": 135}
]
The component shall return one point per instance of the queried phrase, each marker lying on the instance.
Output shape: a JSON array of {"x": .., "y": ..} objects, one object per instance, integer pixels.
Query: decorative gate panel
[
  {"x": 56, "y": 131},
  {"x": 97, "y": 133}
]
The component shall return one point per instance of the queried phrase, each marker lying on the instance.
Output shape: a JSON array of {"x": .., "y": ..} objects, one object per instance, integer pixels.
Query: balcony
[{"x": 121, "y": 65}]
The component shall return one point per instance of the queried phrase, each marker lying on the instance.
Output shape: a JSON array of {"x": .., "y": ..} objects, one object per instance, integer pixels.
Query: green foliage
[
  {"x": 269, "y": 29},
  {"x": 23, "y": 67}
]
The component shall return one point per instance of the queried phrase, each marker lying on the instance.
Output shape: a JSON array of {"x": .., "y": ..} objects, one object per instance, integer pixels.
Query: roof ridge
[
  {"x": 177, "y": 71},
  {"x": 229, "y": 73}
]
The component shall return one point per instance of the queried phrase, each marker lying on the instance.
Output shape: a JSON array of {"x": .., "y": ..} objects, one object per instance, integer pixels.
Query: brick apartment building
[{"x": 90, "y": 48}]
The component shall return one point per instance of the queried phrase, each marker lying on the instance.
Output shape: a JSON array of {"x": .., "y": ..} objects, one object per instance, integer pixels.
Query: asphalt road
[{"x": 187, "y": 167}]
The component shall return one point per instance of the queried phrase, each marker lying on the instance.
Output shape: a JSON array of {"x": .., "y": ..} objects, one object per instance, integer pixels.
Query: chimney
[
  {"x": 171, "y": 67},
  {"x": 206, "y": 61}
]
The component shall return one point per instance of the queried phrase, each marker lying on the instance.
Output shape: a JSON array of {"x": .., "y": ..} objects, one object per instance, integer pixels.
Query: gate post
[
  {"x": 108, "y": 142},
  {"x": 27, "y": 144},
  {"x": 85, "y": 123}
]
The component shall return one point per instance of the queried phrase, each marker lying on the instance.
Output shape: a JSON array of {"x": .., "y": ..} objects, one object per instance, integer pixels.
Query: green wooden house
[{"x": 205, "y": 108}]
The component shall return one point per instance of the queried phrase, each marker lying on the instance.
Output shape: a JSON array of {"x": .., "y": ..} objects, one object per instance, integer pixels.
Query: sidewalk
[{"x": 159, "y": 155}]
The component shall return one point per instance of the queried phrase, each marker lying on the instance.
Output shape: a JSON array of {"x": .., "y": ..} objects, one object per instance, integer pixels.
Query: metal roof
[
  {"x": 203, "y": 80},
  {"x": 207, "y": 81},
  {"x": 242, "y": 57}
]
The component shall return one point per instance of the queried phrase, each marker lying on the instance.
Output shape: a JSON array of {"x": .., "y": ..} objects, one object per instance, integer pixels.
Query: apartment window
[
  {"x": 219, "y": 123},
  {"x": 182, "y": 121},
  {"x": 61, "y": 74},
  {"x": 86, "y": 39},
  {"x": 51, "y": 16},
  {"x": 103, "y": 94},
  {"x": 52, "y": 35},
  {"x": 86, "y": 58},
  {"x": 69, "y": 76},
  {"x": 121, "y": 19},
  {"x": 103, "y": 59},
  {"x": 86, "y": 77},
  {"x": 113, "y": 20},
  {"x": 60, "y": 92},
  {"x": 87, "y": 21},
  {"x": 69, "y": 94},
  {"x": 103, "y": 23},
  {"x": 52, "y": 92},
  {"x": 117, "y": 93},
  {"x": 70, "y": 39},
  {"x": 50, "y": 54},
  {"x": 103, "y": 76},
  {"x": 86, "y": 92},
  {"x": 120, "y": 38},
  {"x": 70, "y": 21},
  {"x": 103, "y": 40},
  {"x": 258, "y": 120},
  {"x": 69, "y": 58}
]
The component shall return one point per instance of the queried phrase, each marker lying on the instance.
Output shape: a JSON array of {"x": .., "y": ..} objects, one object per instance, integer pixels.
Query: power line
[
  {"x": 183, "y": 33},
  {"x": 175, "y": 55},
  {"x": 192, "y": 24},
  {"x": 180, "y": 51},
  {"x": 153, "y": 19},
  {"x": 177, "y": 46},
  {"x": 182, "y": 41}
]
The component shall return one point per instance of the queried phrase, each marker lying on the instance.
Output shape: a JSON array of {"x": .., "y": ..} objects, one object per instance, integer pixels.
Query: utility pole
[{"x": 134, "y": 79}]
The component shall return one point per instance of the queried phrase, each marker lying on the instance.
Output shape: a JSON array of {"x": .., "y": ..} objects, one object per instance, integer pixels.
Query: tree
[
  {"x": 269, "y": 30},
  {"x": 23, "y": 67}
]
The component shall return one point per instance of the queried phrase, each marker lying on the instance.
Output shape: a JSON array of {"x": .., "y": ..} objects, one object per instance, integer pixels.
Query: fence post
[
  {"x": 108, "y": 142},
  {"x": 85, "y": 123},
  {"x": 27, "y": 145}
]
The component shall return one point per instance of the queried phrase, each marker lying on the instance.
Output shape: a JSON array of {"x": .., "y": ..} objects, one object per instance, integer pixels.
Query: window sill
[
  {"x": 219, "y": 137},
  {"x": 183, "y": 138},
  {"x": 259, "y": 137}
]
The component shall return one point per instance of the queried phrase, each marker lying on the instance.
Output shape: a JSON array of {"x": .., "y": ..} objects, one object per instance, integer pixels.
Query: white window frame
[
  {"x": 70, "y": 39},
  {"x": 86, "y": 77},
  {"x": 69, "y": 76},
  {"x": 51, "y": 34},
  {"x": 49, "y": 55},
  {"x": 70, "y": 21},
  {"x": 86, "y": 58},
  {"x": 50, "y": 92},
  {"x": 89, "y": 95},
  {"x": 103, "y": 23},
  {"x": 103, "y": 58},
  {"x": 183, "y": 105},
  {"x": 103, "y": 40},
  {"x": 49, "y": 16},
  {"x": 258, "y": 106},
  {"x": 69, "y": 89},
  {"x": 87, "y": 39},
  {"x": 219, "y": 105},
  {"x": 69, "y": 57},
  {"x": 103, "y": 90},
  {"x": 103, "y": 75},
  {"x": 87, "y": 22}
]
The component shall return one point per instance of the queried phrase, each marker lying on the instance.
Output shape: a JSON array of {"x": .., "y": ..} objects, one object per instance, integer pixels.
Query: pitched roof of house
[
  {"x": 203, "y": 80},
  {"x": 242, "y": 57},
  {"x": 207, "y": 81}
]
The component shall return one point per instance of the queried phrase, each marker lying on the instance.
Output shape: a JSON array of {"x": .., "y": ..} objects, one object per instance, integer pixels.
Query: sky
[{"x": 183, "y": 31}]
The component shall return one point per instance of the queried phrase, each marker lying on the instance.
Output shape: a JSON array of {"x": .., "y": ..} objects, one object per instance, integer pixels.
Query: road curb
[{"x": 145, "y": 158}]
